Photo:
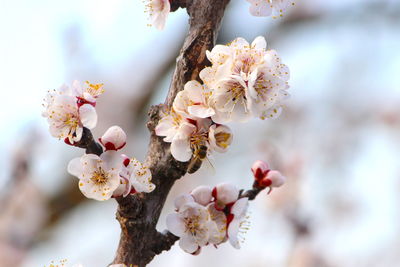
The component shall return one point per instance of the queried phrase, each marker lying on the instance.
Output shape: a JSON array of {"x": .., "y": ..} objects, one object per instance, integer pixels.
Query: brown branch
[
  {"x": 138, "y": 214},
  {"x": 87, "y": 142},
  {"x": 175, "y": 4}
]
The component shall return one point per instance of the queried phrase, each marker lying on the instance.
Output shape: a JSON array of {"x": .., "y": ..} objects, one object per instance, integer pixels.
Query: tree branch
[{"x": 138, "y": 214}]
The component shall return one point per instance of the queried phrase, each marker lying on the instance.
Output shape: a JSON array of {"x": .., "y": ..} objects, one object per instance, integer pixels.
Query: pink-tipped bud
[
  {"x": 276, "y": 178},
  {"x": 224, "y": 194},
  {"x": 114, "y": 138},
  {"x": 202, "y": 195},
  {"x": 260, "y": 170}
]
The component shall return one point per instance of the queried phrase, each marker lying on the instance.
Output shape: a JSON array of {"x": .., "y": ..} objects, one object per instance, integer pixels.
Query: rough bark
[{"x": 138, "y": 214}]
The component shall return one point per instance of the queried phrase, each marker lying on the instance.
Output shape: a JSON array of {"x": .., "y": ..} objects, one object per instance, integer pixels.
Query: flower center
[
  {"x": 71, "y": 121},
  {"x": 192, "y": 225},
  {"x": 222, "y": 139},
  {"x": 99, "y": 177},
  {"x": 94, "y": 89}
]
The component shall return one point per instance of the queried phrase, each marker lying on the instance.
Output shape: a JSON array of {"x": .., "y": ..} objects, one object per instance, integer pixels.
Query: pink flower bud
[
  {"x": 224, "y": 194},
  {"x": 260, "y": 169},
  {"x": 114, "y": 138},
  {"x": 277, "y": 179},
  {"x": 202, "y": 194}
]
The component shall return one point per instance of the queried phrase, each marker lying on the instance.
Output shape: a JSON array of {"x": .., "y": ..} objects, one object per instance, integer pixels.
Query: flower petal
[
  {"x": 202, "y": 195},
  {"x": 176, "y": 224},
  {"x": 75, "y": 167},
  {"x": 88, "y": 116},
  {"x": 188, "y": 244}
]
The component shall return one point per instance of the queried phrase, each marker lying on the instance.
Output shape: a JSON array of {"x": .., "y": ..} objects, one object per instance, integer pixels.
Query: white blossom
[
  {"x": 114, "y": 138},
  {"x": 66, "y": 119},
  {"x": 169, "y": 125},
  {"x": 88, "y": 93},
  {"x": 192, "y": 225},
  {"x": 158, "y": 12},
  {"x": 138, "y": 176},
  {"x": 98, "y": 176},
  {"x": 185, "y": 135},
  {"x": 265, "y": 8},
  {"x": 245, "y": 81},
  {"x": 194, "y": 101},
  {"x": 238, "y": 224}
]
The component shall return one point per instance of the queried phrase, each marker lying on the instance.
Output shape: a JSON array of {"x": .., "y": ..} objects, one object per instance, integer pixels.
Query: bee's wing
[{"x": 209, "y": 164}]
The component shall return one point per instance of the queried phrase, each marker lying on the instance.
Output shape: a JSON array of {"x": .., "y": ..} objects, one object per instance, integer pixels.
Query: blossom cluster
[
  {"x": 111, "y": 174},
  {"x": 69, "y": 109},
  {"x": 209, "y": 216},
  {"x": 158, "y": 10},
  {"x": 244, "y": 81}
]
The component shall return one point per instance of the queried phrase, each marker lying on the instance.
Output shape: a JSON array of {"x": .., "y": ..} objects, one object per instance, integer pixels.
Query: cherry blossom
[
  {"x": 193, "y": 100},
  {"x": 66, "y": 119},
  {"x": 245, "y": 81},
  {"x": 190, "y": 137},
  {"x": 114, "y": 138},
  {"x": 158, "y": 12},
  {"x": 265, "y": 8},
  {"x": 98, "y": 176},
  {"x": 169, "y": 125},
  {"x": 139, "y": 176},
  {"x": 88, "y": 93},
  {"x": 192, "y": 224}
]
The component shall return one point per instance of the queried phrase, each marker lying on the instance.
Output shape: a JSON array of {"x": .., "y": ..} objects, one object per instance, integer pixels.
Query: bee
[{"x": 199, "y": 154}]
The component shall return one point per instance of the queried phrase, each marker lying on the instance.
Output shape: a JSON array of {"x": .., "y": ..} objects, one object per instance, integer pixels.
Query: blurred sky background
[{"x": 337, "y": 141}]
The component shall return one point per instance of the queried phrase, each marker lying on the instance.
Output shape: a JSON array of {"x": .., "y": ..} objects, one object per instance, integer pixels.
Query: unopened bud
[
  {"x": 260, "y": 170},
  {"x": 224, "y": 194},
  {"x": 114, "y": 138},
  {"x": 202, "y": 194},
  {"x": 277, "y": 179}
]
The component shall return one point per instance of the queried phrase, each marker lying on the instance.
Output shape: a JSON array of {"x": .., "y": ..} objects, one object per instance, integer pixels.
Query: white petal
[
  {"x": 88, "y": 116},
  {"x": 194, "y": 91},
  {"x": 240, "y": 207},
  {"x": 202, "y": 194},
  {"x": 182, "y": 200},
  {"x": 276, "y": 177},
  {"x": 176, "y": 224},
  {"x": 188, "y": 244},
  {"x": 227, "y": 193},
  {"x": 259, "y": 43},
  {"x": 233, "y": 231},
  {"x": 111, "y": 160},
  {"x": 201, "y": 111},
  {"x": 75, "y": 167},
  {"x": 180, "y": 148}
]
